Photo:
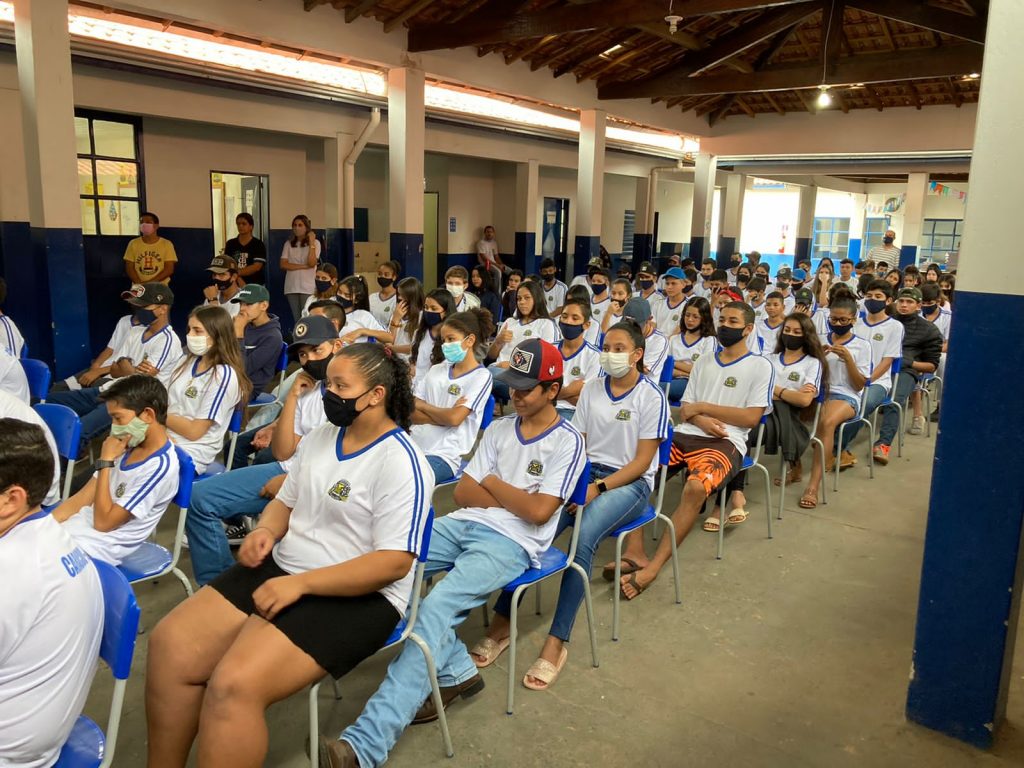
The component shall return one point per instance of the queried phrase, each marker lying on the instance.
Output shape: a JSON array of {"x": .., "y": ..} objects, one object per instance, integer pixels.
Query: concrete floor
[{"x": 789, "y": 652}]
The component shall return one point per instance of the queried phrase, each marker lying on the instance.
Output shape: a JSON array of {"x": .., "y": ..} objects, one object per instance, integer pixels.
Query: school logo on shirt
[
  {"x": 340, "y": 490},
  {"x": 675, "y": 318},
  {"x": 119, "y": 491},
  {"x": 596, "y": 313},
  {"x": 454, "y": 389},
  {"x": 695, "y": 355},
  {"x": 528, "y": 332},
  {"x": 794, "y": 376},
  {"x": 878, "y": 337},
  {"x": 192, "y": 392},
  {"x": 535, "y": 468},
  {"x": 624, "y": 415},
  {"x": 730, "y": 382},
  {"x": 575, "y": 371}
]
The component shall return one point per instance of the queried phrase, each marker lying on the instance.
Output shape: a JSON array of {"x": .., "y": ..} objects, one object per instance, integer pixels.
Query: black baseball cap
[
  {"x": 313, "y": 330},
  {"x": 646, "y": 268},
  {"x": 804, "y": 296},
  {"x": 144, "y": 294},
  {"x": 533, "y": 362}
]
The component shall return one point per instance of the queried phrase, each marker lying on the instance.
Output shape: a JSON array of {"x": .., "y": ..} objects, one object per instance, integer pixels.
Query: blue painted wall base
[
  {"x": 587, "y": 247},
  {"x": 908, "y": 255},
  {"x": 853, "y": 248},
  {"x": 802, "y": 248},
  {"x": 697, "y": 250},
  {"x": 525, "y": 257},
  {"x": 972, "y": 573},
  {"x": 407, "y": 250},
  {"x": 643, "y": 249},
  {"x": 726, "y": 247}
]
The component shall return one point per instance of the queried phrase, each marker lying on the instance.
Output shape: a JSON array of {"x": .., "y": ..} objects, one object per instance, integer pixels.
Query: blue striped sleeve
[
  {"x": 168, "y": 338},
  {"x": 151, "y": 482},
  {"x": 415, "y": 533},
  {"x": 222, "y": 389},
  {"x": 571, "y": 474}
]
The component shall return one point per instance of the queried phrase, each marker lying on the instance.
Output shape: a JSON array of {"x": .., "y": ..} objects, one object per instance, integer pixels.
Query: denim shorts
[{"x": 853, "y": 402}]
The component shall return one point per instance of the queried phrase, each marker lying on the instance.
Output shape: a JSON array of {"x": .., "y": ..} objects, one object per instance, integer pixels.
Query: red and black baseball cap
[
  {"x": 533, "y": 362},
  {"x": 145, "y": 294}
]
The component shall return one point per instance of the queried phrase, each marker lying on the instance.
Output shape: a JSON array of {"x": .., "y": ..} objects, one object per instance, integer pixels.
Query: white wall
[
  {"x": 769, "y": 219},
  {"x": 674, "y": 204},
  {"x": 619, "y": 197}
]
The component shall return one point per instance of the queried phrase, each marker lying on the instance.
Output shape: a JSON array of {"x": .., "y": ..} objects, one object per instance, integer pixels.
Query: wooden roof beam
[
  {"x": 405, "y": 14},
  {"x": 960, "y": 25},
  {"x": 763, "y": 60},
  {"x": 356, "y": 10}
]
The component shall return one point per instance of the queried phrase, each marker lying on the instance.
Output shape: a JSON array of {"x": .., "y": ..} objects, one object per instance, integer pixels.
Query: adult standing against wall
[
  {"x": 886, "y": 252},
  {"x": 250, "y": 253},
  {"x": 298, "y": 261},
  {"x": 149, "y": 258},
  {"x": 488, "y": 256}
]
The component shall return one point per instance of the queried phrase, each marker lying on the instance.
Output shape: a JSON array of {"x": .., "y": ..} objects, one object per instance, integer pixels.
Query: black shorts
[{"x": 337, "y": 632}]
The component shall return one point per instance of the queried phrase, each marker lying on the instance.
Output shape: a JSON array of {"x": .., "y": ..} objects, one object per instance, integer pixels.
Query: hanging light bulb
[
  {"x": 672, "y": 19},
  {"x": 824, "y": 98}
]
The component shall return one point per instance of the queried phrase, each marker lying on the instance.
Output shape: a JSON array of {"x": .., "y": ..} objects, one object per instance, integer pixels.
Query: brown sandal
[
  {"x": 809, "y": 500},
  {"x": 793, "y": 476}
]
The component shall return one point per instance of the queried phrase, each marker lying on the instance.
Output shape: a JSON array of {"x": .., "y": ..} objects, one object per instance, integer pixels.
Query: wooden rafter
[
  {"x": 971, "y": 28},
  {"x": 744, "y": 106},
  {"x": 532, "y": 48},
  {"x": 405, "y": 14},
  {"x": 954, "y": 93},
  {"x": 763, "y": 60},
  {"x": 356, "y": 10},
  {"x": 775, "y": 104}
]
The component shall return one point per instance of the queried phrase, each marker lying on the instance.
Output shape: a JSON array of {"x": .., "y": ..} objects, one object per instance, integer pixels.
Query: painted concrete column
[
  {"x": 913, "y": 218},
  {"x": 589, "y": 190},
  {"x": 406, "y": 131},
  {"x": 805, "y": 222},
  {"x": 730, "y": 226},
  {"x": 340, "y": 213},
  {"x": 643, "y": 238},
  {"x": 972, "y": 574},
  {"x": 47, "y": 292},
  {"x": 703, "y": 200},
  {"x": 855, "y": 246},
  {"x": 527, "y": 189}
]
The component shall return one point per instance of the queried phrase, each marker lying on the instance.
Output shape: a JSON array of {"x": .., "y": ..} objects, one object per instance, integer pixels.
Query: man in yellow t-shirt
[{"x": 150, "y": 258}]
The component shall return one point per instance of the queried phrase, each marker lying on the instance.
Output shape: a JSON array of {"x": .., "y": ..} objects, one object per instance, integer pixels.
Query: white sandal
[
  {"x": 490, "y": 650},
  {"x": 545, "y": 671}
]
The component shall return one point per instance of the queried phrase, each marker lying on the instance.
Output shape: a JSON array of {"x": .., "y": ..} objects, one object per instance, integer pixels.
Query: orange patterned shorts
[{"x": 712, "y": 460}]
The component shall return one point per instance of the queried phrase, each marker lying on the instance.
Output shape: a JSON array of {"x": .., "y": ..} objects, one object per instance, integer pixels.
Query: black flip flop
[
  {"x": 608, "y": 574},
  {"x": 633, "y": 583}
]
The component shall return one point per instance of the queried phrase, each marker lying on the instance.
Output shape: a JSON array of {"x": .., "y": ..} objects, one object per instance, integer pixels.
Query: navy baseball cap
[
  {"x": 638, "y": 309},
  {"x": 312, "y": 330}
]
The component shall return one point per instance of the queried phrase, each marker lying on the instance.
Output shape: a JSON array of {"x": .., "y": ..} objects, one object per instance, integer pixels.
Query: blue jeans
[
  {"x": 86, "y": 403},
  {"x": 875, "y": 395},
  {"x": 499, "y": 389},
  {"x": 905, "y": 384},
  {"x": 566, "y": 413},
  {"x": 676, "y": 389},
  {"x": 603, "y": 515},
  {"x": 483, "y": 561},
  {"x": 219, "y": 498},
  {"x": 243, "y": 449},
  {"x": 442, "y": 469}
]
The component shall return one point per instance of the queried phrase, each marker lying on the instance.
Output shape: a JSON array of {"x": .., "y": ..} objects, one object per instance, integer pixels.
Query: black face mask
[
  {"x": 929, "y": 310},
  {"x": 791, "y": 342},
  {"x": 781, "y": 285},
  {"x": 322, "y": 286},
  {"x": 599, "y": 288},
  {"x": 345, "y": 303},
  {"x": 317, "y": 369},
  {"x": 839, "y": 330},
  {"x": 430, "y": 319},
  {"x": 887, "y": 240},
  {"x": 385, "y": 282},
  {"x": 222, "y": 285},
  {"x": 646, "y": 285},
  {"x": 341, "y": 411},
  {"x": 734, "y": 262},
  {"x": 145, "y": 316},
  {"x": 687, "y": 288},
  {"x": 549, "y": 278},
  {"x": 796, "y": 286},
  {"x": 570, "y": 332},
  {"x": 728, "y": 335}
]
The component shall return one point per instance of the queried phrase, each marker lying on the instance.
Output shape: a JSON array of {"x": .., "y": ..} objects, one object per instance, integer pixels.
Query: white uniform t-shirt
[
  {"x": 598, "y": 309},
  {"x": 12, "y": 378},
  {"x": 144, "y": 490},
  {"x": 744, "y": 383},
  {"x": 613, "y": 425},
  {"x": 441, "y": 389},
  {"x": 769, "y": 336},
  {"x": 806, "y": 370},
  {"x": 423, "y": 357},
  {"x": 550, "y": 463},
  {"x": 942, "y": 321},
  {"x": 356, "y": 319},
  {"x": 667, "y": 316},
  {"x": 11, "y": 339},
  {"x": 655, "y": 352},
  {"x": 309, "y": 414},
  {"x": 886, "y": 340},
  {"x": 555, "y": 296},
  {"x": 654, "y": 299},
  {"x": 51, "y": 621},
  {"x": 838, "y": 376},
  {"x": 162, "y": 350},
  {"x": 584, "y": 364},
  {"x": 13, "y": 408},
  {"x": 212, "y": 394},
  {"x": 348, "y": 505},
  {"x": 381, "y": 309},
  {"x": 541, "y": 328},
  {"x": 582, "y": 280},
  {"x": 705, "y": 345},
  {"x": 121, "y": 331},
  {"x": 466, "y": 302}
]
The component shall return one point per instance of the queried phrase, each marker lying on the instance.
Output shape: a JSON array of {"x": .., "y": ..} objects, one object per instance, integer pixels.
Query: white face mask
[
  {"x": 455, "y": 290},
  {"x": 616, "y": 364},
  {"x": 198, "y": 345}
]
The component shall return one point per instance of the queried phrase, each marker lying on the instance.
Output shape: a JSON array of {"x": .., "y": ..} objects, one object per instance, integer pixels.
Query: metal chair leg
[
  {"x": 617, "y": 587},
  {"x": 767, "y": 496},
  {"x": 722, "y": 499},
  {"x": 838, "y": 452},
  {"x": 589, "y": 602},
  {"x": 513, "y": 636},
  {"x": 314, "y": 726},
  {"x": 435, "y": 693},
  {"x": 871, "y": 445},
  {"x": 783, "y": 471}
]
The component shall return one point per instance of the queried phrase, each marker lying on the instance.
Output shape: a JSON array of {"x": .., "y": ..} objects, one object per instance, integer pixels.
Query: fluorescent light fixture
[
  {"x": 611, "y": 51},
  {"x": 468, "y": 103}
]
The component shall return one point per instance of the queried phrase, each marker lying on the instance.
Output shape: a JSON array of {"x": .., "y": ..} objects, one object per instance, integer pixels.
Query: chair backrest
[
  {"x": 897, "y": 363},
  {"x": 665, "y": 448},
  {"x": 38, "y": 374},
  {"x": 24, "y": 349},
  {"x": 186, "y": 476},
  {"x": 282, "y": 361},
  {"x": 428, "y": 528},
  {"x": 667, "y": 370},
  {"x": 120, "y": 620},
  {"x": 235, "y": 425},
  {"x": 65, "y": 426},
  {"x": 579, "y": 493},
  {"x": 488, "y": 417}
]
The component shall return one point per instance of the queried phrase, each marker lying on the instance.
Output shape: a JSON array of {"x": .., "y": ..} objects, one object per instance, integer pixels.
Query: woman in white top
[
  {"x": 623, "y": 417},
  {"x": 207, "y": 386},
  {"x": 326, "y": 286},
  {"x": 384, "y": 301},
  {"x": 452, "y": 396},
  {"x": 531, "y": 321},
  {"x": 426, "y": 344},
  {"x": 298, "y": 261},
  {"x": 696, "y": 337},
  {"x": 360, "y": 324},
  {"x": 407, "y": 316},
  {"x": 320, "y": 584}
]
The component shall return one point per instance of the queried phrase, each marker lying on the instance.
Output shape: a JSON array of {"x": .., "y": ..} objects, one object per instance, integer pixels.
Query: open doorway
[
  {"x": 555, "y": 240},
  {"x": 235, "y": 193}
]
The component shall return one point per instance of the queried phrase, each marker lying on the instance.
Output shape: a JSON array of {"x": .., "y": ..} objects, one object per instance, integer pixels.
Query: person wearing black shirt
[{"x": 249, "y": 252}]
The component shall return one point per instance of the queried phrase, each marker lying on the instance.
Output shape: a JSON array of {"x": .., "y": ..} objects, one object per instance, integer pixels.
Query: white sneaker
[{"x": 917, "y": 426}]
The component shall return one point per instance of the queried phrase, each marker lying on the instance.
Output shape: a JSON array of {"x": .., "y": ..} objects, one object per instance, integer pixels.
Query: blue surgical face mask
[{"x": 453, "y": 351}]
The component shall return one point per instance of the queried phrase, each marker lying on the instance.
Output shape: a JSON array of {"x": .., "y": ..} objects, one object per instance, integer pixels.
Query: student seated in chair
[
  {"x": 51, "y": 607},
  {"x": 728, "y": 394},
  {"x": 13, "y": 408},
  {"x": 224, "y": 284},
  {"x": 849, "y": 367},
  {"x": 524, "y": 469},
  {"x": 259, "y": 335},
  {"x": 320, "y": 585},
  {"x": 136, "y": 475}
]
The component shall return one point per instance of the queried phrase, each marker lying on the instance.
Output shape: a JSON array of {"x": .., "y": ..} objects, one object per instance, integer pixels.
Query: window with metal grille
[{"x": 110, "y": 181}]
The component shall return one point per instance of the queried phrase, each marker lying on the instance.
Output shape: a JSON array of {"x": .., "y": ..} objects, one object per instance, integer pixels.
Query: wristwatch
[
  {"x": 601, "y": 487},
  {"x": 105, "y": 464}
]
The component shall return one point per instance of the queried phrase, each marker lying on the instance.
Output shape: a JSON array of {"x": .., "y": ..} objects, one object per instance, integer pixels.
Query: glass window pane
[
  {"x": 85, "y": 177},
  {"x": 82, "y": 136},
  {"x": 119, "y": 217},
  {"x": 117, "y": 178},
  {"x": 944, "y": 227},
  {"x": 114, "y": 139},
  {"x": 88, "y": 217},
  {"x": 942, "y": 243}
]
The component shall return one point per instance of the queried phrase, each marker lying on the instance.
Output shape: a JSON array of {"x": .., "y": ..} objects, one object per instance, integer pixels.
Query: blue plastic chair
[
  {"x": 653, "y": 514},
  {"x": 817, "y": 445},
  {"x": 215, "y": 468},
  {"x": 87, "y": 746},
  {"x": 24, "y": 350},
  {"x": 265, "y": 398},
  {"x": 553, "y": 561},
  {"x": 151, "y": 561},
  {"x": 66, "y": 428},
  {"x": 922, "y": 387},
  {"x": 404, "y": 631},
  {"x": 665, "y": 377},
  {"x": 860, "y": 417},
  {"x": 751, "y": 460},
  {"x": 485, "y": 422},
  {"x": 38, "y": 374}
]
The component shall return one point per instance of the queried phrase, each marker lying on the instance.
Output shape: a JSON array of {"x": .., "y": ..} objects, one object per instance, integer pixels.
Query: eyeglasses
[{"x": 840, "y": 322}]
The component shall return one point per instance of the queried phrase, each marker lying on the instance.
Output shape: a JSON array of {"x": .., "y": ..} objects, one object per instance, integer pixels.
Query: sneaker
[
  {"x": 881, "y": 454},
  {"x": 236, "y": 533},
  {"x": 846, "y": 460},
  {"x": 935, "y": 416},
  {"x": 916, "y": 426}
]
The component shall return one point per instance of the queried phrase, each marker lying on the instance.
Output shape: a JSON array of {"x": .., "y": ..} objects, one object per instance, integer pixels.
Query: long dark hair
[
  {"x": 410, "y": 290},
  {"x": 476, "y": 321},
  {"x": 360, "y": 291},
  {"x": 631, "y": 327},
  {"x": 486, "y": 280},
  {"x": 811, "y": 345},
  {"x": 707, "y": 320},
  {"x": 442, "y": 297},
  {"x": 540, "y": 306},
  {"x": 225, "y": 350},
  {"x": 294, "y": 240},
  {"x": 380, "y": 368}
]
